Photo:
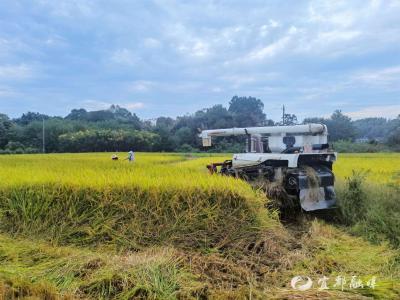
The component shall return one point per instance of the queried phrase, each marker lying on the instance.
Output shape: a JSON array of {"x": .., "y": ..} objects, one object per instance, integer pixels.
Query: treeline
[
  {"x": 363, "y": 135},
  {"x": 117, "y": 129}
]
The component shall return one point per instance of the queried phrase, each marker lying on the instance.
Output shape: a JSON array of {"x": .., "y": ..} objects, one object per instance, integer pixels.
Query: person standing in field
[{"x": 131, "y": 156}]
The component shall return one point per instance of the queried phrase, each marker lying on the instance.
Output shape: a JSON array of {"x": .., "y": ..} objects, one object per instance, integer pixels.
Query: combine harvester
[{"x": 292, "y": 163}]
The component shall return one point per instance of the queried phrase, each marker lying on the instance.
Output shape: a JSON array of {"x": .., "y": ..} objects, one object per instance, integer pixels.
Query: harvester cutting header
[{"x": 294, "y": 162}]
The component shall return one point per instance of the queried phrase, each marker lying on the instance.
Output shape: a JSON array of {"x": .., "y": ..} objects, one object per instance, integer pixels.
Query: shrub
[
  {"x": 352, "y": 199},
  {"x": 372, "y": 210},
  {"x": 345, "y": 146},
  {"x": 15, "y": 146},
  {"x": 6, "y": 151}
]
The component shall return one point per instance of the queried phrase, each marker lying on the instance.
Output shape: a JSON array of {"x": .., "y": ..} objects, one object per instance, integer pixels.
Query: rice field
[
  {"x": 171, "y": 190},
  {"x": 377, "y": 167},
  {"x": 163, "y": 228},
  {"x": 99, "y": 170},
  {"x": 152, "y": 169}
]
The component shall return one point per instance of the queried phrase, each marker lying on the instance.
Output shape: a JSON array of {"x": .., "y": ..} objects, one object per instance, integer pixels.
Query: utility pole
[
  {"x": 283, "y": 114},
  {"x": 43, "y": 141}
]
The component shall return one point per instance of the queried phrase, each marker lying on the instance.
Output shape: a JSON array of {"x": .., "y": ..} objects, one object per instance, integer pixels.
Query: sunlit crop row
[
  {"x": 152, "y": 169},
  {"x": 99, "y": 170},
  {"x": 91, "y": 199},
  {"x": 377, "y": 167}
]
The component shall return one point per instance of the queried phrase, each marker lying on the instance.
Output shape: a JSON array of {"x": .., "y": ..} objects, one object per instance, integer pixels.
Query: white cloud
[
  {"x": 20, "y": 71},
  {"x": 133, "y": 105},
  {"x": 200, "y": 49},
  {"x": 230, "y": 36},
  {"x": 274, "y": 48},
  {"x": 55, "y": 40},
  {"x": 124, "y": 57},
  {"x": 4, "y": 45},
  {"x": 316, "y": 91},
  {"x": 328, "y": 41},
  {"x": 385, "y": 77},
  {"x": 141, "y": 86},
  {"x": 191, "y": 49},
  {"x": 100, "y": 105},
  {"x": 336, "y": 13},
  {"x": 195, "y": 48},
  {"x": 151, "y": 43},
  {"x": 95, "y": 105},
  {"x": 6, "y": 92},
  {"x": 334, "y": 36},
  {"x": 385, "y": 111},
  {"x": 344, "y": 28},
  {"x": 183, "y": 86},
  {"x": 238, "y": 80},
  {"x": 188, "y": 43},
  {"x": 273, "y": 23},
  {"x": 69, "y": 8},
  {"x": 270, "y": 50},
  {"x": 265, "y": 29},
  {"x": 216, "y": 89}
]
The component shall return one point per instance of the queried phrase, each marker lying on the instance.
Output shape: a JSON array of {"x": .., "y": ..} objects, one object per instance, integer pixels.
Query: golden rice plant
[
  {"x": 378, "y": 167},
  {"x": 88, "y": 199}
]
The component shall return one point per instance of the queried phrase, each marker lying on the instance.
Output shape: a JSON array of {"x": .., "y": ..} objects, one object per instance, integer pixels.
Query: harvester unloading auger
[{"x": 292, "y": 160}]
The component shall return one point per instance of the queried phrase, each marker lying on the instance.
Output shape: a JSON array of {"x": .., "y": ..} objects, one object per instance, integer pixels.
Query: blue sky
[{"x": 167, "y": 57}]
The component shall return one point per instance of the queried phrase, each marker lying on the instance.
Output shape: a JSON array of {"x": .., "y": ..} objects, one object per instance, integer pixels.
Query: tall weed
[{"x": 372, "y": 210}]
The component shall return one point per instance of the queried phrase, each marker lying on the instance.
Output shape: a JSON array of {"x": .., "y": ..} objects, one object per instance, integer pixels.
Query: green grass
[{"x": 372, "y": 210}]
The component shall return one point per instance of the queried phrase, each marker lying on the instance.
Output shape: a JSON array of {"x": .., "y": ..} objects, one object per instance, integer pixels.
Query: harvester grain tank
[{"x": 292, "y": 161}]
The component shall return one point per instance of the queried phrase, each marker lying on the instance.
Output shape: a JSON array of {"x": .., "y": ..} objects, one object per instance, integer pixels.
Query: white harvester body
[{"x": 296, "y": 156}]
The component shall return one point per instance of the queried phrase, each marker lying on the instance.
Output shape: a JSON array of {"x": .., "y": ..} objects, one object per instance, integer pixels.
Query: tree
[
  {"x": 314, "y": 120},
  {"x": 214, "y": 117},
  {"x": 165, "y": 122},
  {"x": 107, "y": 140},
  {"x": 184, "y": 135},
  {"x": 13, "y": 146},
  {"x": 289, "y": 119},
  {"x": 77, "y": 114},
  {"x": 5, "y": 130},
  {"x": 163, "y": 128},
  {"x": 372, "y": 128},
  {"x": 394, "y": 134},
  {"x": 247, "y": 111},
  {"x": 111, "y": 116},
  {"x": 30, "y": 117},
  {"x": 340, "y": 127},
  {"x": 116, "y": 128}
]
